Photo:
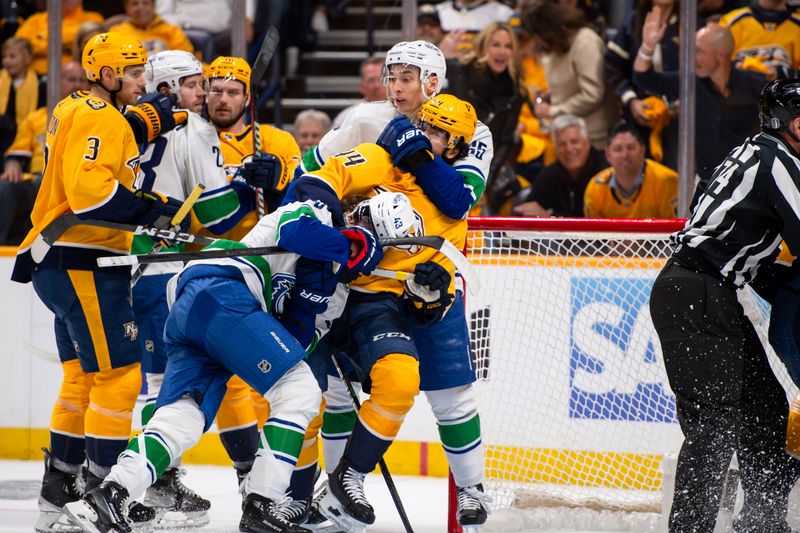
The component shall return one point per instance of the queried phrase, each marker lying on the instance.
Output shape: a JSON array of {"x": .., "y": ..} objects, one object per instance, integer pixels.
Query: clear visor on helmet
[{"x": 400, "y": 72}]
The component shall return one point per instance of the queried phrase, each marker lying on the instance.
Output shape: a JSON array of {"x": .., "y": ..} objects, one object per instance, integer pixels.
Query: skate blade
[
  {"x": 470, "y": 529},
  {"x": 82, "y": 514},
  {"x": 331, "y": 509}
]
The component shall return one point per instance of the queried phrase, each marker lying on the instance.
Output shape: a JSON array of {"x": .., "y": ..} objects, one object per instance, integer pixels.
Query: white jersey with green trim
[{"x": 270, "y": 278}]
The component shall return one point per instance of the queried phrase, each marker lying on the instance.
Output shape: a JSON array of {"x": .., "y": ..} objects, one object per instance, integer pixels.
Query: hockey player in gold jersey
[
  {"x": 390, "y": 325},
  {"x": 228, "y": 97},
  {"x": 632, "y": 187},
  {"x": 91, "y": 159}
]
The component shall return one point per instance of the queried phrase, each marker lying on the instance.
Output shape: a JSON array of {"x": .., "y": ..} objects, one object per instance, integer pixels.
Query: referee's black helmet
[{"x": 779, "y": 103}]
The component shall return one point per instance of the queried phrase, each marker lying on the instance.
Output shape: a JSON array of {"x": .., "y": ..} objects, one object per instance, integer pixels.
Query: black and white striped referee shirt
[{"x": 751, "y": 203}]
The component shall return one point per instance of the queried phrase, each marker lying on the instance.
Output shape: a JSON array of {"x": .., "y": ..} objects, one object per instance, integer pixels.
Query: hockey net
[{"x": 576, "y": 412}]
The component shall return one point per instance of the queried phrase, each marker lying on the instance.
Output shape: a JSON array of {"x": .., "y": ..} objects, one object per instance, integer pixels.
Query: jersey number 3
[{"x": 92, "y": 148}]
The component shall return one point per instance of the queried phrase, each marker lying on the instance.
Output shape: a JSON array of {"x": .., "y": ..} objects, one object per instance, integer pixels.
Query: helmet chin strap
[{"x": 112, "y": 94}]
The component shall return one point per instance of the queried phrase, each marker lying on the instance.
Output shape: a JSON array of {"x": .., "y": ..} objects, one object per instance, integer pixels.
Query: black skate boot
[
  {"x": 472, "y": 505},
  {"x": 262, "y": 515},
  {"x": 345, "y": 504},
  {"x": 140, "y": 516},
  {"x": 102, "y": 509},
  {"x": 295, "y": 511},
  {"x": 58, "y": 489},
  {"x": 185, "y": 507}
]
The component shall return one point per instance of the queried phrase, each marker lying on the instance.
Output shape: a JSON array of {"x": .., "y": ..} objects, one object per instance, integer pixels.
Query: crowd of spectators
[
  {"x": 587, "y": 71},
  {"x": 558, "y": 82}
]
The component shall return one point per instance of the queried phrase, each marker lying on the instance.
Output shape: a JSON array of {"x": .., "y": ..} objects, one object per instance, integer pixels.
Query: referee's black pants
[{"x": 727, "y": 400}]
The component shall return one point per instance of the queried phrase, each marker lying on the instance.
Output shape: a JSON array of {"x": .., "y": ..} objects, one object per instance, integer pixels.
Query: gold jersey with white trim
[{"x": 90, "y": 152}]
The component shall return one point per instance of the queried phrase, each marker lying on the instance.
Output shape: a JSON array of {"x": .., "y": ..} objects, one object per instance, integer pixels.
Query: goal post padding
[{"x": 575, "y": 406}]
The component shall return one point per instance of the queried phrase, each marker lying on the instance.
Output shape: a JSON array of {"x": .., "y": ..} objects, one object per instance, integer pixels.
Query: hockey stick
[
  {"x": 176, "y": 221},
  {"x": 130, "y": 260},
  {"x": 263, "y": 59},
  {"x": 57, "y": 228},
  {"x": 387, "y": 477},
  {"x": 447, "y": 249}
]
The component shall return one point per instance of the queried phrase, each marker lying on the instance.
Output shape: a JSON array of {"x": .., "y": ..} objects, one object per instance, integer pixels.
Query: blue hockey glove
[
  {"x": 366, "y": 253},
  {"x": 427, "y": 294},
  {"x": 153, "y": 115},
  {"x": 157, "y": 211},
  {"x": 408, "y": 147},
  {"x": 315, "y": 283},
  {"x": 264, "y": 172}
]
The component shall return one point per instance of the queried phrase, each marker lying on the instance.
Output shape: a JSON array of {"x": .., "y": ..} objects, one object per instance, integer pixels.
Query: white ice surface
[{"x": 425, "y": 499}]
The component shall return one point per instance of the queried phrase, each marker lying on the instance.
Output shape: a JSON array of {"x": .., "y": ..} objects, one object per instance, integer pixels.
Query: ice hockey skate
[
  {"x": 472, "y": 507},
  {"x": 345, "y": 503},
  {"x": 176, "y": 505},
  {"x": 262, "y": 515},
  {"x": 102, "y": 509},
  {"x": 58, "y": 489}
]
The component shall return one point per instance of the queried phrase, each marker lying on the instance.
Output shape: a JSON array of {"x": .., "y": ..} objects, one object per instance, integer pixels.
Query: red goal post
[{"x": 576, "y": 411}]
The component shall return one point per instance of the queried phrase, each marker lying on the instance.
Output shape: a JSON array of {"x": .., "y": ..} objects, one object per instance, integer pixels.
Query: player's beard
[{"x": 227, "y": 123}]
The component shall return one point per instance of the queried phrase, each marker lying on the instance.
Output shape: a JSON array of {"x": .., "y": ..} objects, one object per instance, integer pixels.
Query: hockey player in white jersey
[
  {"x": 224, "y": 320},
  {"x": 174, "y": 164},
  {"x": 413, "y": 73}
]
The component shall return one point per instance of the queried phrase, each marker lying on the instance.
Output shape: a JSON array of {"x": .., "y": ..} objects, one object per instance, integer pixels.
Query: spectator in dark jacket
[
  {"x": 619, "y": 58},
  {"x": 726, "y": 98},
  {"x": 558, "y": 190}
]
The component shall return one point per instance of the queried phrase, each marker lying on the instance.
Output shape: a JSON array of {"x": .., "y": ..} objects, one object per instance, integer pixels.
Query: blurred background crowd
[{"x": 581, "y": 96}]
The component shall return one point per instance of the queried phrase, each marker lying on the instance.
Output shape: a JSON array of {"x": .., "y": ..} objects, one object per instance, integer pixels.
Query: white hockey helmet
[
  {"x": 390, "y": 214},
  {"x": 421, "y": 54},
  {"x": 170, "y": 66}
]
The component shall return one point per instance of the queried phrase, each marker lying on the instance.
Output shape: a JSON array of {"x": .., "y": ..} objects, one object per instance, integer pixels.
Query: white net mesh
[{"x": 575, "y": 406}]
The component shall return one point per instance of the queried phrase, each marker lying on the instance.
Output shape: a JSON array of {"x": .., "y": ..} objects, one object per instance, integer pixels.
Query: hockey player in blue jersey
[
  {"x": 223, "y": 321},
  {"x": 174, "y": 164}
]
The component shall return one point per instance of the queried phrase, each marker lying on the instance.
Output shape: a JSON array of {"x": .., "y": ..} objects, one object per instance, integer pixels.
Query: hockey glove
[
  {"x": 153, "y": 115},
  {"x": 427, "y": 294},
  {"x": 265, "y": 172},
  {"x": 408, "y": 147},
  {"x": 365, "y": 253},
  {"x": 315, "y": 283},
  {"x": 157, "y": 211}
]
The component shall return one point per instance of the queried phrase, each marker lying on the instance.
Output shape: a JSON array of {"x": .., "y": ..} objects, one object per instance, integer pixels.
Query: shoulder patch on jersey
[{"x": 96, "y": 103}]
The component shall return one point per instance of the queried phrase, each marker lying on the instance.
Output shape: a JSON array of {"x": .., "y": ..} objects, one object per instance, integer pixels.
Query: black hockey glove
[
  {"x": 408, "y": 146},
  {"x": 265, "y": 172},
  {"x": 427, "y": 294},
  {"x": 157, "y": 211},
  {"x": 153, "y": 115}
]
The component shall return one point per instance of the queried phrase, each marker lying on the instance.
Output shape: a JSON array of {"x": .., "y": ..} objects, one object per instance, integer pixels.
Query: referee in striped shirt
[{"x": 728, "y": 399}]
